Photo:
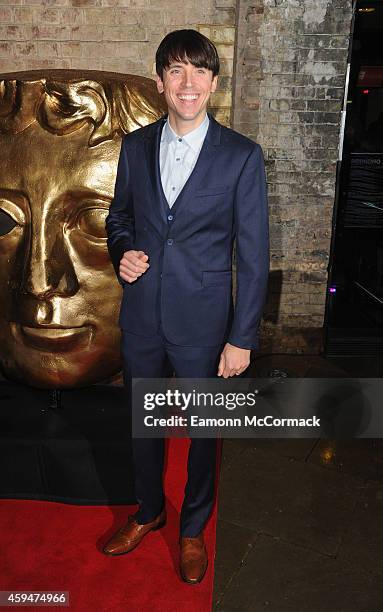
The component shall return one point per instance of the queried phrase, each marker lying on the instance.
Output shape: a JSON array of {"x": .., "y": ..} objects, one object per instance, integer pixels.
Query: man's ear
[
  {"x": 160, "y": 85},
  {"x": 214, "y": 84}
]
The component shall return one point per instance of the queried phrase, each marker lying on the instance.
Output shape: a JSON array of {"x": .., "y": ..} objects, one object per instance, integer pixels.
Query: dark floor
[{"x": 300, "y": 520}]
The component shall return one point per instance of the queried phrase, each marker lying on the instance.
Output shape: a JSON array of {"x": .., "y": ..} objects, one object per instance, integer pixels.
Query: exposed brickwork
[
  {"x": 223, "y": 36},
  {"x": 117, "y": 35},
  {"x": 290, "y": 72}
]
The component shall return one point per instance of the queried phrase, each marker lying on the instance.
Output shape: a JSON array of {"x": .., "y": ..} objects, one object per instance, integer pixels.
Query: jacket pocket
[
  {"x": 212, "y": 191},
  {"x": 212, "y": 278}
]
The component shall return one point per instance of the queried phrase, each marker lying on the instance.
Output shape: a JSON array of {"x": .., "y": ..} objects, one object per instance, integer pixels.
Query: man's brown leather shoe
[
  {"x": 193, "y": 560},
  {"x": 129, "y": 536}
]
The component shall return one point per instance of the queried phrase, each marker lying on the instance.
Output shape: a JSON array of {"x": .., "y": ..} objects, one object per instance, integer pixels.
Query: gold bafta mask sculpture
[{"x": 60, "y": 139}]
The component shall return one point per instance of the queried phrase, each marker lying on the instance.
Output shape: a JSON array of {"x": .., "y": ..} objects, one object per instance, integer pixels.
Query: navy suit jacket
[{"x": 188, "y": 287}]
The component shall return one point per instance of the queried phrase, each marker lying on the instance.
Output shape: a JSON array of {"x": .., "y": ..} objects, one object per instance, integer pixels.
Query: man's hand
[
  {"x": 234, "y": 361},
  {"x": 132, "y": 265}
]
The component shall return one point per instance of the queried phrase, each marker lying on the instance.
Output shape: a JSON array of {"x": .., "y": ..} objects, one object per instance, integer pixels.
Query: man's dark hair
[{"x": 187, "y": 45}]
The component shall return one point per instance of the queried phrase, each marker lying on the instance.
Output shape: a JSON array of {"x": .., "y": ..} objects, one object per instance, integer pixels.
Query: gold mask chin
[{"x": 60, "y": 139}]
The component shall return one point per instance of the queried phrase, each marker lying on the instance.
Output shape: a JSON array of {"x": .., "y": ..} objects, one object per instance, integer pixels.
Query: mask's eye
[
  {"x": 7, "y": 223},
  {"x": 92, "y": 221}
]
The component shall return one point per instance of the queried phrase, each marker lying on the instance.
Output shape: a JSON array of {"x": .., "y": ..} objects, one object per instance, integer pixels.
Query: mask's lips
[{"x": 52, "y": 338}]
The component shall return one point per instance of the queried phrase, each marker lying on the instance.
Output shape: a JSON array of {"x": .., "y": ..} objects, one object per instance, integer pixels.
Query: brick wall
[
  {"x": 116, "y": 35},
  {"x": 290, "y": 73}
]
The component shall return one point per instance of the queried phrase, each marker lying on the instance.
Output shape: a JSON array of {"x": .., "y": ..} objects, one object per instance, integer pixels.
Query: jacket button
[
  {"x": 170, "y": 241},
  {"x": 170, "y": 217}
]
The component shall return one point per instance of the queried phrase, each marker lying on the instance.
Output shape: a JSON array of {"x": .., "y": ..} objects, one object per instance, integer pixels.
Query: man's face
[
  {"x": 59, "y": 295},
  {"x": 187, "y": 90}
]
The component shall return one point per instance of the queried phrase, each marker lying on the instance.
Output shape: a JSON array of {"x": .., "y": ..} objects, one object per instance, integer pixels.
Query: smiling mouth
[
  {"x": 52, "y": 338},
  {"x": 188, "y": 98}
]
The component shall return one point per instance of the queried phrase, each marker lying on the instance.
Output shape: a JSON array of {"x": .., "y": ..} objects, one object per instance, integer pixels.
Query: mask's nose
[{"x": 48, "y": 270}]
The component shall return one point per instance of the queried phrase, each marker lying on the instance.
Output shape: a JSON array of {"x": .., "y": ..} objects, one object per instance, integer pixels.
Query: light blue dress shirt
[{"x": 178, "y": 156}]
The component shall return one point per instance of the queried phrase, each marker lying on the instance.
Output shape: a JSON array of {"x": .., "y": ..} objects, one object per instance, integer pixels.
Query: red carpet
[{"x": 52, "y": 546}]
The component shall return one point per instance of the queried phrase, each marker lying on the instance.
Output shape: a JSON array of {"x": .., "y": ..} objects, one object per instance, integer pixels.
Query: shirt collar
[{"x": 193, "y": 138}]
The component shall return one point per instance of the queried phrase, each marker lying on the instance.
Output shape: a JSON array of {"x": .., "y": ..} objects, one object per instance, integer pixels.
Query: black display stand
[{"x": 69, "y": 446}]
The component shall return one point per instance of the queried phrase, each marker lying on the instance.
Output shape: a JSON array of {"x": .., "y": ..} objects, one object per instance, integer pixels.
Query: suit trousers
[{"x": 155, "y": 357}]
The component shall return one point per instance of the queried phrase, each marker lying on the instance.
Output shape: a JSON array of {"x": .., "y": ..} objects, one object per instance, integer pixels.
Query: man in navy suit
[{"x": 186, "y": 189}]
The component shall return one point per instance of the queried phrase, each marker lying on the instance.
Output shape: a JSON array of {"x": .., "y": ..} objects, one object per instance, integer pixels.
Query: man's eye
[
  {"x": 92, "y": 221},
  {"x": 7, "y": 223}
]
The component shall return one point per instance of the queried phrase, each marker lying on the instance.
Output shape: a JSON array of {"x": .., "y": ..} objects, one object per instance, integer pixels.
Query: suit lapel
[
  {"x": 152, "y": 153},
  {"x": 203, "y": 166}
]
